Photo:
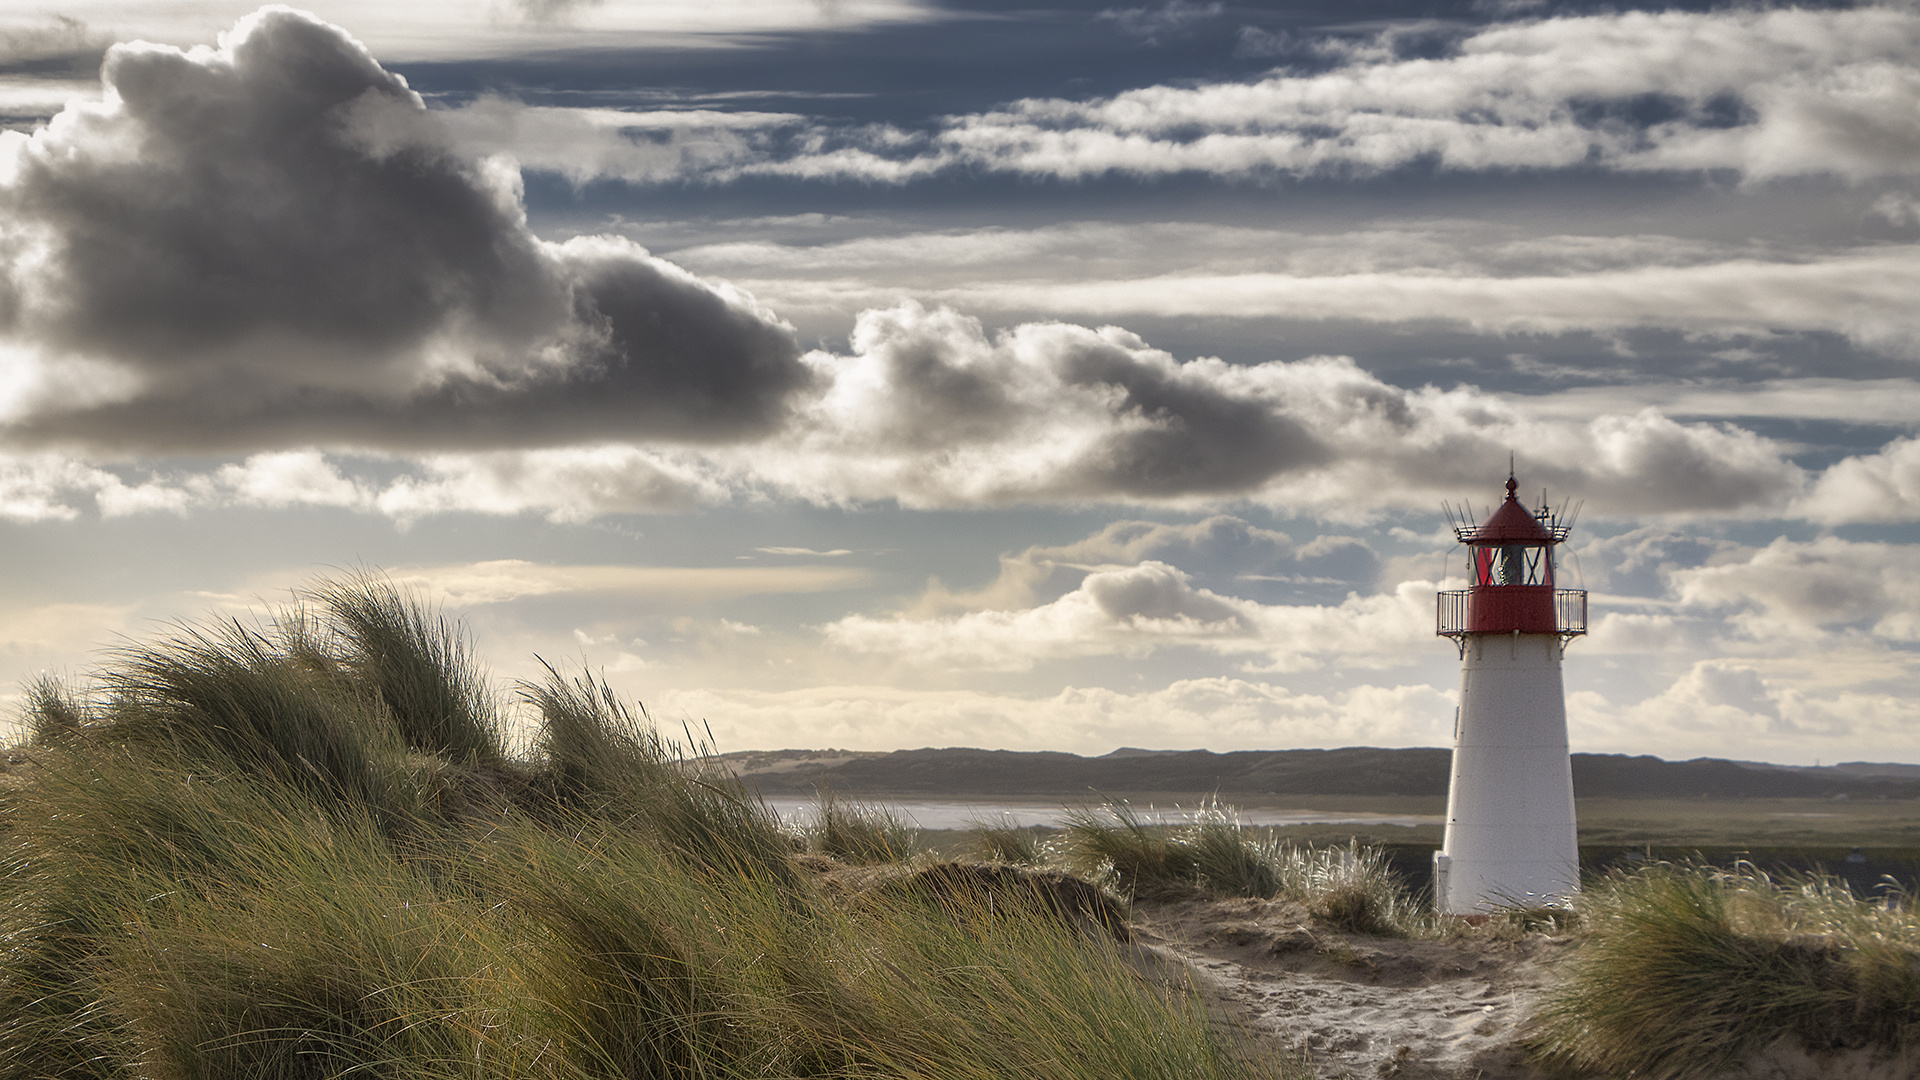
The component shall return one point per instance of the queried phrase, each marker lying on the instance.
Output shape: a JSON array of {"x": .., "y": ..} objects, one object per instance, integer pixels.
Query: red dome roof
[{"x": 1512, "y": 523}]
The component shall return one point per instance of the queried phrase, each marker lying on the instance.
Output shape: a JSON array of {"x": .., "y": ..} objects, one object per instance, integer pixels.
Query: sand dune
[{"x": 1359, "y": 1006}]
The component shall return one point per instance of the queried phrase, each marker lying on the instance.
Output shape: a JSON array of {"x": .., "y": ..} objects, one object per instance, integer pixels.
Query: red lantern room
[{"x": 1510, "y": 565}]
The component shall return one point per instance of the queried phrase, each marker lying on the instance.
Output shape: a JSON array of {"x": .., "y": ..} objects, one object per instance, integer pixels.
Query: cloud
[
  {"x": 273, "y": 247},
  {"x": 505, "y": 580},
  {"x": 930, "y": 411},
  {"x": 1170, "y": 19},
  {"x": 564, "y": 484},
  {"x": 61, "y": 46},
  {"x": 1765, "y": 93},
  {"x": 595, "y": 144},
  {"x": 1136, "y": 610},
  {"x": 1481, "y": 277},
  {"x": 415, "y": 30},
  {"x": 1219, "y": 713},
  {"x": 1852, "y": 293},
  {"x": 1718, "y": 696},
  {"x": 1127, "y": 612},
  {"x": 1871, "y": 487},
  {"x": 1640, "y": 562},
  {"x": 1769, "y": 713},
  {"x": 1221, "y": 547},
  {"x": 273, "y": 243},
  {"x": 553, "y": 11},
  {"x": 1792, "y": 589},
  {"x": 1768, "y": 93}
]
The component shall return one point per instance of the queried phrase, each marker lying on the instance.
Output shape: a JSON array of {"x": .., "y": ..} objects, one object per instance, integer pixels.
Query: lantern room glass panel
[{"x": 1512, "y": 564}]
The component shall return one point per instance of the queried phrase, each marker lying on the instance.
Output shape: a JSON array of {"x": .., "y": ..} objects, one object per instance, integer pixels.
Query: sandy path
[{"x": 1360, "y": 1006}]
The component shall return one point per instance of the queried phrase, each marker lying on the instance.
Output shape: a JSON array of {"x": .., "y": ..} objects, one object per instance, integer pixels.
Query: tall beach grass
[
  {"x": 304, "y": 849},
  {"x": 1348, "y": 887},
  {"x": 1686, "y": 971}
]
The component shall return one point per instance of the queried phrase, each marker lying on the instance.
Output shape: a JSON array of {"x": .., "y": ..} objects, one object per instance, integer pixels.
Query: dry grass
[
  {"x": 300, "y": 850},
  {"x": 1688, "y": 970}
]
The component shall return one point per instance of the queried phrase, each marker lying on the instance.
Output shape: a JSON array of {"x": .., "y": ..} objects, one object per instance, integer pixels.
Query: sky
[{"x": 878, "y": 374}]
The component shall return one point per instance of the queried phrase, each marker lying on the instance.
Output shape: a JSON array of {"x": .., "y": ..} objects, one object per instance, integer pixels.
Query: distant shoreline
[{"x": 1251, "y": 776}]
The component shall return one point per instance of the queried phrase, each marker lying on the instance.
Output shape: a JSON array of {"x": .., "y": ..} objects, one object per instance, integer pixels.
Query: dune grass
[
  {"x": 857, "y": 832},
  {"x": 1686, "y": 971},
  {"x": 304, "y": 850},
  {"x": 1347, "y": 887},
  {"x": 1014, "y": 845}
]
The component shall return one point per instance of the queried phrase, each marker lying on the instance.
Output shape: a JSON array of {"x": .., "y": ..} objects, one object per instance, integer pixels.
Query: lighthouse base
[{"x": 1511, "y": 837}]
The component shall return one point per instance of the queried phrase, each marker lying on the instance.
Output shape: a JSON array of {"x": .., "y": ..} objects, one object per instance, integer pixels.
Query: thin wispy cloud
[{"x": 1760, "y": 93}]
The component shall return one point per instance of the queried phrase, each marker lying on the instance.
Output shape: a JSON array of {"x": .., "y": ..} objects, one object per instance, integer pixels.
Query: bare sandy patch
[{"x": 1359, "y": 1006}]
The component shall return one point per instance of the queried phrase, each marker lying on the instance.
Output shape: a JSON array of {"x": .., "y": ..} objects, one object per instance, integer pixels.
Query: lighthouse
[{"x": 1510, "y": 837}]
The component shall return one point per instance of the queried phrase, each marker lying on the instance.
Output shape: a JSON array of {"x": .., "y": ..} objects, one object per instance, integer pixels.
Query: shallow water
[{"x": 953, "y": 814}]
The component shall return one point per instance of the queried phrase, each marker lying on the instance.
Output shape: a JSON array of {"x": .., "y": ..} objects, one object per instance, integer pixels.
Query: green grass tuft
[
  {"x": 1348, "y": 887},
  {"x": 1112, "y": 844},
  {"x": 231, "y": 696},
  {"x": 859, "y": 833},
  {"x": 1687, "y": 971},
  {"x": 418, "y": 666},
  {"x": 1015, "y": 844},
  {"x": 607, "y": 759}
]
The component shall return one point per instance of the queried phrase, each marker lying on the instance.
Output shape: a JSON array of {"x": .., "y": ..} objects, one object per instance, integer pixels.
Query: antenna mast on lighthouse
[{"x": 1510, "y": 836}]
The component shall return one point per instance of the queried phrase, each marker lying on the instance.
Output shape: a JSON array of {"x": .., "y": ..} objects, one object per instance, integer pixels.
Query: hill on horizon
[{"x": 1354, "y": 770}]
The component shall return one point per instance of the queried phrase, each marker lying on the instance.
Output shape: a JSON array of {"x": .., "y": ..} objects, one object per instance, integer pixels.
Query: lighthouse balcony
[{"x": 1509, "y": 609}]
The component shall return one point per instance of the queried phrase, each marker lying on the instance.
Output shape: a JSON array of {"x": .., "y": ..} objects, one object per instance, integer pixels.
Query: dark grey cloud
[
  {"x": 1078, "y": 414},
  {"x": 274, "y": 244},
  {"x": 1049, "y": 411},
  {"x": 552, "y": 11},
  {"x": 64, "y": 47},
  {"x": 1200, "y": 440}
]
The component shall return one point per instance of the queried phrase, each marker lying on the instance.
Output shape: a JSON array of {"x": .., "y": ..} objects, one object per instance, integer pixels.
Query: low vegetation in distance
[{"x": 306, "y": 848}]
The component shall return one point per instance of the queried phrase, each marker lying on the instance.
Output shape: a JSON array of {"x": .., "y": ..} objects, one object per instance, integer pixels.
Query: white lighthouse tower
[{"x": 1510, "y": 836}]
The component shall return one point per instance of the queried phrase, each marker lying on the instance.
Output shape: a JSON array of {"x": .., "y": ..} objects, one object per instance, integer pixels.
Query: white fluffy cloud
[
  {"x": 1136, "y": 610},
  {"x": 1757, "y": 711},
  {"x": 1220, "y": 546},
  {"x": 1872, "y": 487},
  {"x": 1793, "y": 589},
  {"x": 1130, "y": 611}
]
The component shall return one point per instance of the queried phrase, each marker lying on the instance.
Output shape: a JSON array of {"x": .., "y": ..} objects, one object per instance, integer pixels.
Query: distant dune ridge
[{"x": 1357, "y": 770}]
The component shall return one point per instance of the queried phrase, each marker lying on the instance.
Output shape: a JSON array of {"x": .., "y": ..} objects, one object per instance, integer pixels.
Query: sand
[{"x": 1358, "y": 1006}]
